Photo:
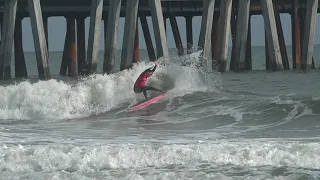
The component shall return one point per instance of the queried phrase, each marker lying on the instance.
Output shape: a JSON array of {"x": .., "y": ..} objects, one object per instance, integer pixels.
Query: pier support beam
[
  {"x": 272, "y": 36},
  {"x": 9, "y": 18},
  {"x": 39, "y": 37},
  {"x": 176, "y": 34},
  {"x": 20, "y": 63},
  {"x": 94, "y": 34},
  {"x": 189, "y": 34},
  {"x": 248, "y": 63},
  {"x": 147, "y": 37},
  {"x": 111, "y": 36},
  {"x": 224, "y": 30},
  {"x": 214, "y": 39},
  {"x": 64, "y": 60},
  {"x": 136, "y": 50},
  {"x": 282, "y": 43},
  {"x": 46, "y": 31},
  {"x": 128, "y": 37},
  {"x": 69, "y": 58},
  {"x": 267, "y": 52},
  {"x": 309, "y": 34},
  {"x": 233, "y": 24},
  {"x": 72, "y": 48},
  {"x": 206, "y": 30},
  {"x": 159, "y": 29},
  {"x": 296, "y": 36},
  {"x": 81, "y": 47},
  {"x": 242, "y": 35}
]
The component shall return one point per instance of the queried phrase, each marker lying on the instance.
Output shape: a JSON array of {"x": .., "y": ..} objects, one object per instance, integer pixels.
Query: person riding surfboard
[{"x": 140, "y": 84}]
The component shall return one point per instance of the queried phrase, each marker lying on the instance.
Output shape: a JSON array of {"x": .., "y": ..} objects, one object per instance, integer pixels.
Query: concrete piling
[
  {"x": 248, "y": 62},
  {"x": 64, "y": 61},
  {"x": 176, "y": 34},
  {"x": 206, "y": 30},
  {"x": 242, "y": 35},
  {"x": 94, "y": 34},
  {"x": 9, "y": 17},
  {"x": 39, "y": 38},
  {"x": 72, "y": 48},
  {"x": 296, "y": 35},
  {"x": 128, "y": 37},
  {"x": 147, "y": 37},
  {"x": 282, "y": 43},
  {"x": 309, "y": 34},
  {"x": 214, "y": 39},
  {"x": 136, "y": 50},
  {"x": 159, "y": 29},
  {"x": 272, "y": 35},
  {"x": 111, "y": 35},
  {"x": 81, "y": 46},
  {"x": 233, "y": 24},
  {"x": 20, "y": 63},
  {"x": 189, "y": 33},
  {"x": 224, "y": 30}
]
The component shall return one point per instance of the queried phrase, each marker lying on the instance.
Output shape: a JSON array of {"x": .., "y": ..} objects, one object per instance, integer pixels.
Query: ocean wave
[
  {"x": 127, "y": 156},
  {"x": 95, "y": 94}
]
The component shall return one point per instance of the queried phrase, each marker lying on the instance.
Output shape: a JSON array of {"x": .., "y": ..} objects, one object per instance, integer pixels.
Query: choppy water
[{"x": 251, "y": 125}]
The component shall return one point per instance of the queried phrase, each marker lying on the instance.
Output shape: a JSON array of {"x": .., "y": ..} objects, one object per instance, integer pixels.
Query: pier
[{"x": 220, "y": 18}]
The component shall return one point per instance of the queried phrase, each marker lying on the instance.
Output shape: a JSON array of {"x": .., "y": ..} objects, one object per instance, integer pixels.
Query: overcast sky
[{"x": 57, "y": 31}]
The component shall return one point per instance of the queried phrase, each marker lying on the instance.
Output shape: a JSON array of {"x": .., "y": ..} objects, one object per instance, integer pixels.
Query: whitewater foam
[
  {"x": 95, "y": 94},
  {"x": 87, "y": 159}
]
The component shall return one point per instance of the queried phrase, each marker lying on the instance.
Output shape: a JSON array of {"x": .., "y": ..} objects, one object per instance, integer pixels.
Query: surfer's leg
[
  {"x": 144, "y": 90},
  {"x": 137, "y": 90}
]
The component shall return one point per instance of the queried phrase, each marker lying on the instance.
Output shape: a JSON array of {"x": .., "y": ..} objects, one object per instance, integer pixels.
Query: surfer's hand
[{"x": 156, "y": 62}]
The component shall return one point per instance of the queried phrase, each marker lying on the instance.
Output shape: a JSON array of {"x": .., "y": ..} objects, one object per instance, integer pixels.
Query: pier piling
[
  {"x": 159, "y": 29},
  {"x": 206, "y": 30},
  {"x": 72, "y": 48},
  {"x": 189, "y": 33},
  {"x": 9, "y": 18},
  {"x": 176, "y": 34},
  {"x": 20, "y": 63},
  {"x": 111, "y": 36},
  {"x": 241, "y": 35},
  {"x": 39, "y": 38},
  {"x": 271, "y": 35},
  {"x": 282, "y": 43},
  {"x": 147, "y": 37},
  {"x": 136, "y": 49},
  {"x": 81, "y": 46},
  {"x": 296, "y": 37},
  {"x": 309, "y": 34},
  {"x": 224, "y": 30},
  {"x": 128, "y": 37},
  {"x": 94, "y": 34},
  {"x": 214, "y": 39}
]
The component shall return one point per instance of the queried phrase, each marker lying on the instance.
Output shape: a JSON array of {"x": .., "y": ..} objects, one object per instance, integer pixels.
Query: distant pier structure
[{"x": 219, "y": 19}]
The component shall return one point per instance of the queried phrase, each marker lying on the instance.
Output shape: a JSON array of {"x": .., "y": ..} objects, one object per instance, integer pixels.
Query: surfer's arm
[{"x": 154, "y": 68}]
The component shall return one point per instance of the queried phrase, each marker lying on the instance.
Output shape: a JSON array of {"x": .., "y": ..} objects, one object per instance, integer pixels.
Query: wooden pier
[{"x": 219, "y": 19}]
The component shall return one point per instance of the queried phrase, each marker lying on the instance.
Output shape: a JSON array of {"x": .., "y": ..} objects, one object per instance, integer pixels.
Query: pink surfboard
[{"x": 140, "y": 105}]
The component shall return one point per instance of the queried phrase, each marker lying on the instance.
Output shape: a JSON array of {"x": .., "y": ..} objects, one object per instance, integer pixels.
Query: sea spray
[{"x": 99, "y": 93}]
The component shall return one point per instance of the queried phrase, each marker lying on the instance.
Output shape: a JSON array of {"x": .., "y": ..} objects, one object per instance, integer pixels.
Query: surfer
[{"x": 140, "y": 84}]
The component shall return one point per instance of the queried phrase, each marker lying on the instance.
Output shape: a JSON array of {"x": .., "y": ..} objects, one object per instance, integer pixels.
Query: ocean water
[{"x": 230, "y": 126}]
